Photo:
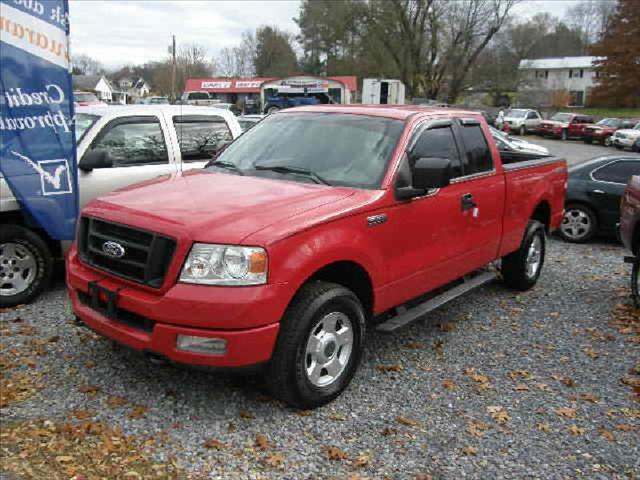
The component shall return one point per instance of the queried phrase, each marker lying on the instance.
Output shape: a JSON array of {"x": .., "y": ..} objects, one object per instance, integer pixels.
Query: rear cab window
[{"x": 201, "y": 136}]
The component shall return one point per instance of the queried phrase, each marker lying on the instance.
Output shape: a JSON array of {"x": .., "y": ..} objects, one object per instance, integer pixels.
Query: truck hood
[{"x": 213, "y": 207}]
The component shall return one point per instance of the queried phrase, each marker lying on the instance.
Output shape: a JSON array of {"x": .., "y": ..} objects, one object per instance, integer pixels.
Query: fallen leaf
[
  {"x": 137, "y": 412},
  {"x": 389, "y": 368},
  {"x": 517, "y": 374},
  {"x": 499, "y": 414},
  {"x": 477, "y": 428},
  {"x": 448, "y": 383},
  {"x": 115, "y": 401},
  {"x": 334, "y": 453},
  {"x": 469, "y": 451},
  {"x": 566, "y": 412},
  {"x": 82, "y": 414},
  {"x": 262, "y": 442},
  {"x": 568, "y": 382},
  {"x": 389, "y": 431},
  {"x": 543, "y": 427},
  {"x": 414, "y": 345},
  {"x": 542, "y": 386},
  {"x": 361, "y": 460},
  {"x": 625, "y": 428},
  {"x": 214, "y": 444},
  {"x": 274, "y": 460},
  {"x": 90, "y": 390},
  {"x": 589, "y": 397},
  {"x": 447, "y": 326},
  {"x": 304, "y": 413},
  {"x": 591, "y": 353},
  {"x": 53, "y": 339},
  {"x": 247, "y": 414},
  {"x": 633, "y": 382},
  {"x": 575, "y": 430},
  {"x": 406, "y": 421},
  {"x": 604, "y": 433}
]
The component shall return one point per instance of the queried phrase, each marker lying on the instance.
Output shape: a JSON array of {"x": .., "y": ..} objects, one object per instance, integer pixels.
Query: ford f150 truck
[{"x": 315, "y": 225}]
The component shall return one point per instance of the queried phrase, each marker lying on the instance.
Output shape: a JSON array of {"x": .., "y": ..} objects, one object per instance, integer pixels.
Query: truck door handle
[
  {"x": 467, "y": 202},
  {"x": 598, "y": 191}
]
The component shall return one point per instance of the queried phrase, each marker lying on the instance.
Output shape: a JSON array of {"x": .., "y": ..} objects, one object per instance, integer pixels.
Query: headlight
[{"x": 211, "y": 264}]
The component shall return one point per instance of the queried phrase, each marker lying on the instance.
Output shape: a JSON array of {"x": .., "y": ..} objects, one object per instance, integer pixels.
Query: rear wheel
[
  {"x": 579, "y": 223},
  {"x": 319, "y": 346},
  {"x": 521, "y": 269},
  {"x": 607, "y": 142},
  {"x": 26, "y": 265}
]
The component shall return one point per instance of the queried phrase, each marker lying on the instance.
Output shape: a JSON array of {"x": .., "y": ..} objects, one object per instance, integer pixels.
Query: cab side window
[
  {"x": 200, "y": 136},
  {"x": 478, "y": 156},
  {"x": 531, "y": 116},
  {"x": 618, "y": 172},
  {"x": 439, "y": 142},
  {"x": 132, "y": 142}
]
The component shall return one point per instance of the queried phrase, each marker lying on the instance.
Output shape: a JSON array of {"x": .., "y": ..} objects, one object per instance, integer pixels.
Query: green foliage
[{"x": 274, "y": 54}]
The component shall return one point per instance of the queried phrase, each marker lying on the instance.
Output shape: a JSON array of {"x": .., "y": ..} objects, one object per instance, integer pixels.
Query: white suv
[
  {"x": 523, "y": 120},
  {"x": 626, "y": 137}
]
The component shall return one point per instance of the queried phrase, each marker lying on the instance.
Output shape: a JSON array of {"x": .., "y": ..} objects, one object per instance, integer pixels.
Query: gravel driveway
[{"x": 493, "y": 385}]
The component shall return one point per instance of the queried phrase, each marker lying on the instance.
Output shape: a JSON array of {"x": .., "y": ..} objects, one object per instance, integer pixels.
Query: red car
[
  {"x": 85, "y": 99},
  {"x": 630, "y": 231},
  {"x": 565, "y": 125},
  {"x": 312, "y": 227},
  {"x": 603, "y": 130}
]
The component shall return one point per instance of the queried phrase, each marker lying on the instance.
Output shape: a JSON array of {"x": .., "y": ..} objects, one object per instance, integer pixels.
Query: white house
[
  {"x": 140, "y": 88},
  {"x": 562, "y": 81},
  {"x": 97, "y": 84}
]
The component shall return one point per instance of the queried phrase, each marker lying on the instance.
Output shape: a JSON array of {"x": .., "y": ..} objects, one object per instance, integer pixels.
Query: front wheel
[
  {"x": 26, "y": 265},
  {"x": 635, "y": 277},
  {"x": 607, "y": 142},
  {"x": 319, "y": 346},
  {"x": 521, "y": 269},
  {"x": 523, "y": 130}
]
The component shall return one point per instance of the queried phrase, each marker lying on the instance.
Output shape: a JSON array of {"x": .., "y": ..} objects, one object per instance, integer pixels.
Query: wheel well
[
  {"x": 352, "y": 276},
  {"x": 542, "y": 213},
  {"x": 17, "y": 218}
]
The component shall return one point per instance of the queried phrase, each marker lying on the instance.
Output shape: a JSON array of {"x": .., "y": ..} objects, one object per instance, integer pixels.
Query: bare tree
[
  {"x": 86, "y": 65},
  {"x": 590, "y": 18},
  {"x": 238, "y": 61}
]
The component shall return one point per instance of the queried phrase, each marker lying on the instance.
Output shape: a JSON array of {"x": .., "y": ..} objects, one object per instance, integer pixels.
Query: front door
[
  {"x": 607, "y": 188},
  {"x": 137, "y": 146}
]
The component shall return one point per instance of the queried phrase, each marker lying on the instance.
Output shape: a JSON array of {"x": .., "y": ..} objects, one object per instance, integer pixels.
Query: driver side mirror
[
  {"x": 427, "y": 173},
  {"x": 95, "y": 159}
]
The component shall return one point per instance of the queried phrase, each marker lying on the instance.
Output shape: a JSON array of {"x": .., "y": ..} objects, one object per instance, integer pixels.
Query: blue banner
[{"x": 38, "y": 147}]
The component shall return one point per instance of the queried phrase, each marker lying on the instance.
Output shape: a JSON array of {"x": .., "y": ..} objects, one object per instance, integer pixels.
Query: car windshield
[
  {"x": 85, "y": 97},
  {"x": 516, "y": 113},
  {"x": 198, "y": 96},
  {"x": 83, "y": 123},
  {"x": 342, "y": 149},
  {"x": 609, "y": 122},
  {"x": 562, "y": 117},
  {"x": 159, "y": 100}
]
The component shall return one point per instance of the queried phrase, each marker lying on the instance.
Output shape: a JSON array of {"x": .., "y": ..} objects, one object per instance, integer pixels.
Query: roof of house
[
  {"x": 557, "y": 62},
  {"x": 139, "y": 83},
  {"x": 86, "y": 82}
]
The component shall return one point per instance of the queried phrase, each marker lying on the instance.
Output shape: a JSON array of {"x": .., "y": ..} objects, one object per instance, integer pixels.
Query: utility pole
[{"x": 173, "y": 69}]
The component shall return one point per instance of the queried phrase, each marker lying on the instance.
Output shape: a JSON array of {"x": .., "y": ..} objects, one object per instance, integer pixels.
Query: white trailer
[{"x": 382, "y": 91}]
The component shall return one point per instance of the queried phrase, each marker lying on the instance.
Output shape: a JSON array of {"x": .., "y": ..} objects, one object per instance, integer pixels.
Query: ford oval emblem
[{"x": 113, "y": 249}]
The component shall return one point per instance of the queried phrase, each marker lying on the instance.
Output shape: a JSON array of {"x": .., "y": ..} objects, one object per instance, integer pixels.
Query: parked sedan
[
  {"x": 515, "y": 149},
  {"x": 603, "y": 130},
  {"x": 522, "y": 120},
  {"x": 592, "y": 203}
]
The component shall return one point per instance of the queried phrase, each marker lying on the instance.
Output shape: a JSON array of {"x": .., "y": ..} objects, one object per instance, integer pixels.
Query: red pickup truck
[
  {"x": 315, "y": 225},
  {"x": 565, "y": 125}
]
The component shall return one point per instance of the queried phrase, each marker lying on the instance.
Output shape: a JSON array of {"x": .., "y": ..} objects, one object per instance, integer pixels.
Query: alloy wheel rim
[
  {"x": 576, "y": 224},
  {"x": 329, "y": 348},
  {"x": 18, "y": 268},
  {"x": 534, "y": 256}
]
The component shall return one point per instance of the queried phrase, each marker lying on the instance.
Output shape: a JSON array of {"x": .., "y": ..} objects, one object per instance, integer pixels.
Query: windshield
[
  {"x": 516, "y": 113},
  {"x": 83, "y": 122},
  {"x": 159, "y": 100},
  {"x": 562, "y": 117},
  {"x": 198, "y": 96},
  {"x": 343, "y": 149},
  {"x": 85, "y": 97},
  {"x": 609, "y": 122}
]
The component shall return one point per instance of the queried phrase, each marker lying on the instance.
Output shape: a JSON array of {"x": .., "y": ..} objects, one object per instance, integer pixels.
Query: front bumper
[
  {"x": 623, "y": 142},
  {"x": 247, "y": 318}
]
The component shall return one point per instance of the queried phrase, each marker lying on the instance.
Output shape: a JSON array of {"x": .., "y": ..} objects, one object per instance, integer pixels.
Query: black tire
[
  {"x": 589, "y": 216},
  {"x": 635, "y": 276},
  {"x": 565, "y": 134},
  {"x": 286, "y": 374},
  {"x": 607, "y": 142},
  {"x": 37, "y": 278},
  {"x": 515, "y": 266},
  {"x": 523, "y": 130}
]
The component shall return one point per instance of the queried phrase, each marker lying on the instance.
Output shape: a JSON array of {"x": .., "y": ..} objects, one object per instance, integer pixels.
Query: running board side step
[{"x": 414, "y": 313}]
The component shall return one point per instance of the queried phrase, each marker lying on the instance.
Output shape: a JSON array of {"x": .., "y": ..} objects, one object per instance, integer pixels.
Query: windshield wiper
[
  {"x": 227, "y": 165},
  {"x": 296, "y": 170}
]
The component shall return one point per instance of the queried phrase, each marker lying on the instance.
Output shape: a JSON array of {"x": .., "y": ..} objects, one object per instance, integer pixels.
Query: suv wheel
[
  {"x": 26, "y": 265},
  {"x": 579, "y": 223},
  {"x": 523, "y": 130},
  {"x": 607, "y": 142},
  {"x": 521, "y": 269},
  {"x": 319, "y": 346}
]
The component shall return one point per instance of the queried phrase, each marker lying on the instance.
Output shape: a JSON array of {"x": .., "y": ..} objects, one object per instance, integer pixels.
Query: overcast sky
[{"x": 136, "y": 31}]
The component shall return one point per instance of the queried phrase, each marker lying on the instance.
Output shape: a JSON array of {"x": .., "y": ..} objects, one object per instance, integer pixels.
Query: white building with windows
[{"x": 559, "y": 82}]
